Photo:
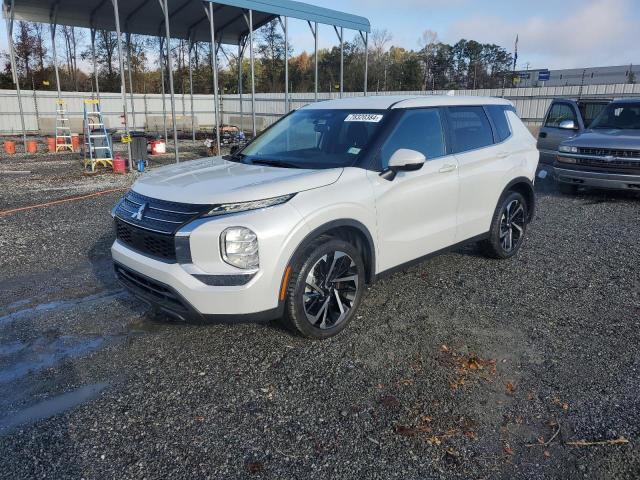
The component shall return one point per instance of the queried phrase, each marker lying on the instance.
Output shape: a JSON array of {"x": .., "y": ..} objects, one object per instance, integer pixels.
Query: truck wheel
[
  {"x": 324, "y": 289},
  {"x": 508, "y": 227}
]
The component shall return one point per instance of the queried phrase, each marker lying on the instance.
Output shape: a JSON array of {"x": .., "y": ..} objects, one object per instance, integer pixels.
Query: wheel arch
[
  {"x": 349, "y": 230},
  {"x": 524, "y": 186}
]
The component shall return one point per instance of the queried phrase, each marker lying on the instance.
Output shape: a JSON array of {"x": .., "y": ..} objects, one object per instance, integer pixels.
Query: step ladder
[
  {"x": 97, "y": 143},
  {"x": 63, "y": 129}
]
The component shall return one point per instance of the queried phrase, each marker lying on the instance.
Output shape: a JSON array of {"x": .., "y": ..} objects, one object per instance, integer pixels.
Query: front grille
[
  {"x": 148, "y": 225},
  {"x": 155, "y": 291},
  {"x": 609, "y": 163},
  {"x": 159, "y": 216},
  {"x": 605, "y": 152},
  {"x": 150, "y": 243}
]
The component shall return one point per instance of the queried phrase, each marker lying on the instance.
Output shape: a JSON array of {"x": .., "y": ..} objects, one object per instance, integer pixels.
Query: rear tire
[
  {"x": 508, "y": 227},
  {"x": 567, "y": 188},
  {"x": 325, "y": 288}
]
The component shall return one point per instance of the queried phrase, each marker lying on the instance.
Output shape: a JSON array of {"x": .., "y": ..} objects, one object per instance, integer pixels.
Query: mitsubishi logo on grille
[
  {"x": 609, "y": 158},
  {"x": 138, "y": 215}
]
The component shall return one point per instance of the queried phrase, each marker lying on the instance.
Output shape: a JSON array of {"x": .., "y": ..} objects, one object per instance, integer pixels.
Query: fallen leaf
[
  {"x": 508, "y": 450},
  {"x": 565, "y": 406},
  {"x": 426, "y": 418},
  {"x": 473, "y": 364},
  {"x": 470, "y": 434},
  {"x": 379, "y": 386},
  {"x": 255, "y": 467},
  {"x": 547, "y": 453},
  {"x": 389, "y": 401},
  {"x": 444, "y": 348},
  {"x": 510, "y": 388}
]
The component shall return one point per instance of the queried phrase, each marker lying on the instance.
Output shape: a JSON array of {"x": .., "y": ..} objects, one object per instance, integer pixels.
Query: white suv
[{"x": 326, "y": 200}]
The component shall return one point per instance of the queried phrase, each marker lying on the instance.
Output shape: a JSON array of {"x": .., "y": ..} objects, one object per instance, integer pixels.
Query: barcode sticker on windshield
[{"x": 363, "y": 117}]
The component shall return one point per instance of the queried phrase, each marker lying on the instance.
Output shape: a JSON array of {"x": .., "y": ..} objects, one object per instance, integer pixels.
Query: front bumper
[
  {"x": 617, "y": 181},
  {"x": 164, "y": 298}
]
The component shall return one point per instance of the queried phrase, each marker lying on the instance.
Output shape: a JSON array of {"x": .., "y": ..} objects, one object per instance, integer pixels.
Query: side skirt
[{"x": 411, "y": 263}]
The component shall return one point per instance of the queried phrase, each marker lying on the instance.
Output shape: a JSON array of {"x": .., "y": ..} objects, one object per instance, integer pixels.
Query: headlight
[
  {"x": 568, "y": 148},
  {"x": 226, "y": 208},
  {"x": 239, "y": 247}
]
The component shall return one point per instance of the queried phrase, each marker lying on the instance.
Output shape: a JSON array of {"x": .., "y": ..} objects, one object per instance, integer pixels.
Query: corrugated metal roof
[{"x": 187, "y": 17}]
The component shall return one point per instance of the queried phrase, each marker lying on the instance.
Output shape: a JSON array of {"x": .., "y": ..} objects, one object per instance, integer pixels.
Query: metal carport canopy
[{"x": 187, "y": 17}]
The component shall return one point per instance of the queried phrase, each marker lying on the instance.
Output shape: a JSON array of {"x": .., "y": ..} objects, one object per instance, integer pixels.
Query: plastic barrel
[
  {"x": 9, "y": 147},
  {"x": 75, "y": 142},
  {"x": 158, "y": 147},
  {"x": 119, "y": 164},
  {"x": 32, "y": 146},
  {"x": 51, "y": 144}
]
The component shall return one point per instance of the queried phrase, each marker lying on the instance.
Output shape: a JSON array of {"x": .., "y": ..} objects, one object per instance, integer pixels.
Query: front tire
[
  {"x": 508, "y": 227},
  {"x": 325, "y": 288}
]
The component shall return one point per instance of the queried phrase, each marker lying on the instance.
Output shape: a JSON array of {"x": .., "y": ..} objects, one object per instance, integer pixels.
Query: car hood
[
  {"x": 215, "y": 180},
  {"x": 606, "y": 138}
]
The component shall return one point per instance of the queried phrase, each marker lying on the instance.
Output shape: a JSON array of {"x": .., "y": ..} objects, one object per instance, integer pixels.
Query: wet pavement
[{"x": 453, "y": 368}]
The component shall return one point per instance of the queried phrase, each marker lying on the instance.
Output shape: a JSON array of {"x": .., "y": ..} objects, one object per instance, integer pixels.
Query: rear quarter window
[
  {"x": 470, "y": 128},
  {"x": 498, "y": 114}
]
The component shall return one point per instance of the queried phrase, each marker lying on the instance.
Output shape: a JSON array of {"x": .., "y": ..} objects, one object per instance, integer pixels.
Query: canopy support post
[
  {"x": 53, "y": 27},
  {"x": 214, "y": 67},
  {"x": 253, "y": 77},
  {"x": 95, "y": 63},
  {"x": 241, "y": 44},
  {"x": 193, "y": 120},
  {"x": 285, "y": 28},
  {"x": 8, "y": 12},
  {"x": 133, "y": 107},
  {"x": 164, "y": 103},
  {"x": 123, "y": 87},
  {"x": 366, "y": 61},
  {"x": 314, "y": 31},
  {"x": 340, "y": 35},
  {"x": 165, "y": 9}
]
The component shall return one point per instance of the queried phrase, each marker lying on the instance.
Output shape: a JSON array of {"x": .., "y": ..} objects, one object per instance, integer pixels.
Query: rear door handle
[
  {"x": 502, "y": 154},
  {"x": 447, "y": 168}
]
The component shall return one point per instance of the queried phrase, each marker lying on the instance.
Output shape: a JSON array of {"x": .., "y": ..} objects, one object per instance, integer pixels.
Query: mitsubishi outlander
[{"x": 329, "y": 198}]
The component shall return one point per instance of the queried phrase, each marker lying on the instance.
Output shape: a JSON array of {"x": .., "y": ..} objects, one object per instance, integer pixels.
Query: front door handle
[
  {"x": 502, "y": 155},
  {"x": 447, "y": 168},
  {"x": 543, "y": 135}
]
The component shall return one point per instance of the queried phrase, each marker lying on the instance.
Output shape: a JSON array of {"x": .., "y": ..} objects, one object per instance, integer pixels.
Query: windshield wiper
[{"x": 275, "y": 163}]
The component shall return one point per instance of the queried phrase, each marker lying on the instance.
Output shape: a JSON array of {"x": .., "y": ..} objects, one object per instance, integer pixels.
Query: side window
[
  {"x": 419, "y": 130},
  {"x": 470, "y": 128},
  {"x": 590, "y": 111},
  {"x": 558, "y": 113},
  {"x": 498, "y": 116}
]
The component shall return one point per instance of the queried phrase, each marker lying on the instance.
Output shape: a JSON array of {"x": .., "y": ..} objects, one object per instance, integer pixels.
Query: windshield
[
  {"x": 624, "y": 116},
  {"x": 314, "y": 138}
]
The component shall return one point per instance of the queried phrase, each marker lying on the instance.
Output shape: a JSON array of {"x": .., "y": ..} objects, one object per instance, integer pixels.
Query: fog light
[{"x": 239, "y": 247}]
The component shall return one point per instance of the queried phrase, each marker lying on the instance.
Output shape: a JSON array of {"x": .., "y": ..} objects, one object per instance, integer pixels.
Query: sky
[{"x": 552, "y": 33}]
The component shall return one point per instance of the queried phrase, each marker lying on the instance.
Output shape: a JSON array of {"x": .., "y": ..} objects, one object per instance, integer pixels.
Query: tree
[
  {"x": 429, "y": 45},
  {"x": 271, "y": 51}
]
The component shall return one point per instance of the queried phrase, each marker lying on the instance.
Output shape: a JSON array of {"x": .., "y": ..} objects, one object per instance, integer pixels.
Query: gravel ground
[{"x": 451, "y": 370}]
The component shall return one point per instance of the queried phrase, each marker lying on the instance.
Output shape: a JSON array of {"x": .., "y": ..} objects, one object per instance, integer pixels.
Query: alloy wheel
[
  {"x": 330, "y": 290},
  {"x": 512, "y": 225}
]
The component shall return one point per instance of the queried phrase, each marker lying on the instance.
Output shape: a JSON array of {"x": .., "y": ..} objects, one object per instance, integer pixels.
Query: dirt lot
[{"x": 461, "y": 367}]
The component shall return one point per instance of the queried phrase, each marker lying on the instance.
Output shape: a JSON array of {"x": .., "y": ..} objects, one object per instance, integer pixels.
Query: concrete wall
[{"x": 40, "y": 107}]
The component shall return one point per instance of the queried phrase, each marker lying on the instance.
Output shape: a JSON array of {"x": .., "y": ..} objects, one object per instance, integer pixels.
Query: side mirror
[
  {"x": 234, "y": 149},
  {"x": 405, "y": 160},
  {"x": 568, "y": 125}
]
